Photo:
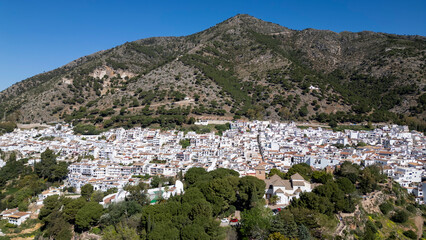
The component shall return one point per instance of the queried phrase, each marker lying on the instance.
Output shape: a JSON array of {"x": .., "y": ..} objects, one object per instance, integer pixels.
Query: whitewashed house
[
  {"x": 18, "y": 218},
  {"x": 286, "y": 190},
  {"x": 6, "y": 213}
]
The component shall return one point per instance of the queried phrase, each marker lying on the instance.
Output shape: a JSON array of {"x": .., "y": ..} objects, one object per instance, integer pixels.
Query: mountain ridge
[{"x": 244, "y": 66}]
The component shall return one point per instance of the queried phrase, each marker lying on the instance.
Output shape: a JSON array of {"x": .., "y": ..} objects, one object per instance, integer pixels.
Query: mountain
[{"x": 242, "y": 67}]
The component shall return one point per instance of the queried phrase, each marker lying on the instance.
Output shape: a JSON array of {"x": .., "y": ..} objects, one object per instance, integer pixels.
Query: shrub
[
  {"x": 411, "y": 208},
  {"x": 10, "y": 225},
  {"x": 7, "y": 126},
  {"x": 185, "y": 143},
  {"x": 95, "y": 230},
  {"x": 385, "y": 207},
  {"x": 410, "y": 234},
  {"x": 86, "y": 130},
  {"x": 400, "y": 216},
  {"x": 378, "y": 224}
]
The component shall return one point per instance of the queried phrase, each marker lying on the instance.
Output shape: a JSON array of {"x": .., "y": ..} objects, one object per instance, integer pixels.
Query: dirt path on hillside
[
  {"x": 178, "y": 103},
  {"x": 33, "y": 125},
  {"x": 341, "y": 226},
  {"x": 369, "y": 203},
  {"x": 30, "y": 230},
  {"x": 418, "y": 220}
]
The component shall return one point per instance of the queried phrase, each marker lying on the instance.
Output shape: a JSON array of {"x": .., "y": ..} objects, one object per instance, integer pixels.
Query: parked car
[
  {"x": 224, "y": 220},
  {"x": 234, "y": 220}
]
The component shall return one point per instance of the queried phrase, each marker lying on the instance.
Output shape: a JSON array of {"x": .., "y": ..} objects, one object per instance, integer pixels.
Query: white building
[
  {"x": 18, "y": 218},
  {"x": 286, "y": 190},
  {"x": 407, "y": 176}
]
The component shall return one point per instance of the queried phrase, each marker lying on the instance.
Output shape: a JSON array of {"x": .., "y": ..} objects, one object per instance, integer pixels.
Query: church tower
[{"x": 260, "y": 171}]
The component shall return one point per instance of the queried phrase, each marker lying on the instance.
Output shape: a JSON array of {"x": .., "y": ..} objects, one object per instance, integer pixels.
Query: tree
[
  {"x": 255, "y": 222},
  {"x": 332, "y": 124},
  {"x": 303, "y": 111},
  {"x": 194, "y": 232},
  {"x": 50, "y": 204},
  {"x": 304, "y": 233},
  {"x": 275, "y": 171},
  {"x": 223, "y": 172},
  {"x": 193, "y": 175},
  {"x": 156, "y": 181},
  {"x": 370, "y": 231},
  {"x": 349, "y": 170},
  {"x": 400, "y": 216},
  {"x": 385, "y": 207},
  {"x": 46, "y": 166},
  {"x": 185, "y": 143},
  {"x": 86, "y": 191},
  {"x": 277, "y": 236},
  {"x": 97, "y": 196},
  {"x": 321, "y": 177},
  {"x": 274, "y": 199},
  {"x": 302, "y": 168},
  {"x": 346, "y": 185},
  {"x": 49, "y": 169},
  {"x": 284, "y": 223},
  {"x": 119, "y": 211},
  {"x": 138, "y": 193},
  {"x": 70, "y": 210},
  {"x": 410, "y": 234},
  {"x": 309, "y": 218},
  {"x": 57, "y": 227},
  {"x": 368, "y": 181},
  {"x": 249, "y": 189},
  {"x": 221, "y": 193},
  {"x": 88, "y": 215},
  {"x": 60, "y": 171},
  {"x": 120, "y": 232},
  {"x": 7, "y": 127}
]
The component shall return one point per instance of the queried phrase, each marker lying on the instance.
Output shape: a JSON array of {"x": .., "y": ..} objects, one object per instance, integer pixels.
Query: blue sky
[{"x": 38, "y": 36}]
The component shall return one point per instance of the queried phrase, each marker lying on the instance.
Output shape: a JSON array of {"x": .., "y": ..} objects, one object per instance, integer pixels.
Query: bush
[
  {"x": 7, "y": 127},
  {"x": 378, "y": 224},
  {"x": 10, "y": 225},
  {"x": 86, "y": 130},
  {"x": 185, "y": 143},
  {"x": 411, "y": 208},
  {"x": 95, "y": 230},
  {"x": 400, "y": 216},
  {"x": 410, "y": 234},
  {"x": 385, "y": 208}
]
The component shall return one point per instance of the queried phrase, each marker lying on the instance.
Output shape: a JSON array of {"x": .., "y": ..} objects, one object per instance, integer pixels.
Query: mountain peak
[
  {"x": 244, "y": 16},
  {"x": 248, "y": 22}
]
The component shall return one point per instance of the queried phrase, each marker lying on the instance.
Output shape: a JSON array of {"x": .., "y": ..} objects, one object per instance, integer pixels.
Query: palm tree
[{"x": 273, "y": 200}]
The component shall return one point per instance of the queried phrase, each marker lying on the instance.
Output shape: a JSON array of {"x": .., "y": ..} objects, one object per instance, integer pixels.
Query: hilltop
[{"x": 240, "y": 68}]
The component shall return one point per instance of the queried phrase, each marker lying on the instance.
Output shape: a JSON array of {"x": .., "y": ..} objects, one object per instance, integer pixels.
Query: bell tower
[{"x": 260, "y": 171}]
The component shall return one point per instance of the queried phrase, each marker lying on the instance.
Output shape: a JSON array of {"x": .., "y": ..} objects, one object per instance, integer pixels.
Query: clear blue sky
[{"x": 38, "y": 36}]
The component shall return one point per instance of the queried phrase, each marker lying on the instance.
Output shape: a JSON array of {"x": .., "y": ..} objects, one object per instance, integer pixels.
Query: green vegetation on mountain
[
  {"x": 7, "y": 127},
  {"x": 241, "y": 68}
]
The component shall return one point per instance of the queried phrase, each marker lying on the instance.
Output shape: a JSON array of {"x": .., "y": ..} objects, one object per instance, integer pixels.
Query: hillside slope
[{"x": 242, "y": 67}]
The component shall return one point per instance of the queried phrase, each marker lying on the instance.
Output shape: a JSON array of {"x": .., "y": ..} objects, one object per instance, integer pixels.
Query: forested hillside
[{"x": 241, "y": 68}]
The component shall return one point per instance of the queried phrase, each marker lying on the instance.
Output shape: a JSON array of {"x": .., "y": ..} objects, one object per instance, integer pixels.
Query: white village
[{"x": 118, "y": 158}]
